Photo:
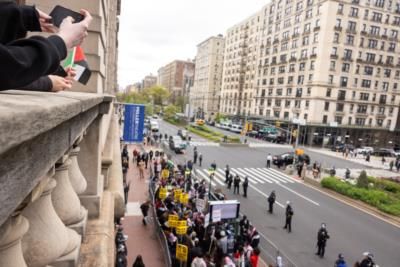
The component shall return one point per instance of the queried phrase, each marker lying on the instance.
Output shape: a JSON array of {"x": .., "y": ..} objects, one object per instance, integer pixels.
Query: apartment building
[
  {"x": 206, "y": 92},
  {"x": 240, "y": 66},
  {"x": 332, "y": 66},
  {"x": 149, "y": 81},
  {"x": 177, "y": 76}
]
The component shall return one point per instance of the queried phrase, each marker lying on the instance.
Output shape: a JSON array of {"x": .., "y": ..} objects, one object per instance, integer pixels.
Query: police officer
[
  {"x": 245, "y": 185},
  {"x": 322, "y": 237},
  {"x": 271, "y": 201},
  {"x": 289, "y": 214}
]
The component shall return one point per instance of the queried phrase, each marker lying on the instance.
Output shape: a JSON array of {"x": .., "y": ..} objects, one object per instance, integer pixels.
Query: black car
[{"x": 287, "y": 159}]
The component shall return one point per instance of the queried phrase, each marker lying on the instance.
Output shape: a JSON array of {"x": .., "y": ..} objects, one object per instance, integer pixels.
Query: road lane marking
[
  {"x": 265, "y": 195},
  {"x": 300, "y": 195},
  {"x": 240, "y": 172},
  {"x": 205, "y": 176},
  {"x": 289, "y": 178},
  {"x": 254, "y": 173},
  {"x": 271, "y": 177},
  {"x": 269, "y": 174}
]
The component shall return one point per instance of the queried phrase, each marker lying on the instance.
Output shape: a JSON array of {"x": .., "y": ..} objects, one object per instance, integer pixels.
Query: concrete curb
[
  {"x": 358, "y": 204},
  {"x": 233, "y": 144}
]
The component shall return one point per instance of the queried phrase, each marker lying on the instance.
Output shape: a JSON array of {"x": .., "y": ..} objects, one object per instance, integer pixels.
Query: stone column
[
  {"x": 11, "y": 233},
  {"x": 47, "y": 239},
  {"x": 90, "y": 162},
  {"x": 76, "y": 177},
  {"x": 65, "y": 200}
]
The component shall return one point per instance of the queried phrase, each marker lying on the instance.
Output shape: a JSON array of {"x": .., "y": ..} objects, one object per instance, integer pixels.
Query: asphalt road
[{"x": 352, "y": 231}]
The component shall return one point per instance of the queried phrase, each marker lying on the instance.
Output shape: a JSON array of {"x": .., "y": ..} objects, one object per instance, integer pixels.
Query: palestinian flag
[{"x": 76, "y": 59}]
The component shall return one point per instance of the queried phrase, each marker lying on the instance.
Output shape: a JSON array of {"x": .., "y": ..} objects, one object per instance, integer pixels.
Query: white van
[
  {"x": 236, "y": 128},
  {"x": 224, "y": 125},
  {"x": 154, "y": 126}
]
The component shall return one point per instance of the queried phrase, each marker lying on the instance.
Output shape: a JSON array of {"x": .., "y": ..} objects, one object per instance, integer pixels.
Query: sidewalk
[
  {"x": 141, "y": 239},
  {"x": 375, "y": 162}
]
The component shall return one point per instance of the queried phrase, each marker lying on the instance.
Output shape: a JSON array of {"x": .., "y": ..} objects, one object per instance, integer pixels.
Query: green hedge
[
  {"x": 376, "y": 197},
  {"x": 233, "y": 139},
  {"x": 174, "y": 121},
  {"x": 204, "y": 134},
  {"x": 386, "y": 185}
]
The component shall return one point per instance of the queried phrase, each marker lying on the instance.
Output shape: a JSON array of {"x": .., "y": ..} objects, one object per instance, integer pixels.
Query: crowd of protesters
[{"x": 209, "y": 244}]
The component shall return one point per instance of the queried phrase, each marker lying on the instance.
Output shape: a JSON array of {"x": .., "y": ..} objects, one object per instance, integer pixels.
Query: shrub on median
[
  {"x": 375, "y": 197},
  {"x": 204, "y": 134}
]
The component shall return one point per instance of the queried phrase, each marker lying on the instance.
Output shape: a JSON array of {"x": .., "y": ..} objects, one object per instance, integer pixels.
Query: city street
[{"x": 352, "y": 231}]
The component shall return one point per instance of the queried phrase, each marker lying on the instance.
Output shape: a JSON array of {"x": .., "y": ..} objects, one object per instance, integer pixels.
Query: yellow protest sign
[
  {"x": 165, "y": 173},
  {"x": 181, "y": 230},
  {"x": 181, "y": 223},
  {"x": 163, "y": 192},
  {"x": 299, "y": 151},
  {"x": 173, "y": 220},
  {"x": 177, "y": 195},
  {"x": 181, "y": 252},
  {"x": 184, "y": 199}
]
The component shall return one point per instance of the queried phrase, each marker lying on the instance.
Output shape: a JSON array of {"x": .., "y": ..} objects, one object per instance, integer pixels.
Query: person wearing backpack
[
  {"x": 340, "y": 261},
  {"x": 245, "y": 185}
]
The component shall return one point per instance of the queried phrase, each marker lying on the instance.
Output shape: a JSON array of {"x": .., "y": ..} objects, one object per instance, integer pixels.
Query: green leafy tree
[
  {"x": 362, "y": 181},
  {"x": 157, "y": 93},
  {"x": 180, "y": 103},
  {"x": 219, "y": 117},
  {"x": 170, "y": 111}
]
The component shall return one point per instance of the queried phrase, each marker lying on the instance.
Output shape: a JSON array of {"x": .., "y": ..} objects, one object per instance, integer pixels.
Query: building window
[
  {"x": 328, "y": 92},
  {"x": 340, "y": 9},
  {"x": 326, "y": 106},
  {"x": 353, "y": 12},
  {"x": 338, "y": 119},
  {"x": 360, "y": 121},
  {"x": 345, "y": 67},
  {"x": 343, "y": 81},
  {"x": 332, "y": 65},
  {"x": 350, "y": 39},
  {"x": 325, "y": 119},
  {"x": 339, "y": 107},
  {"x": 336, "y": 38},
  {"x": 365, "y": 83}
]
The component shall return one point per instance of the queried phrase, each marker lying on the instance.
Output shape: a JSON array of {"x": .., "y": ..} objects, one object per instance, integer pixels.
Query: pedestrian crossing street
[
  {"x": 203, "y": 143},
  {"x": 256, "y": 176}
]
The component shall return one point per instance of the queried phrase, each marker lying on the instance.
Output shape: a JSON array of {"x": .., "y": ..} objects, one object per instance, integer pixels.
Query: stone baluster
[
  {"x": 47, "y": 239},
  {"x": 65, "y": 200},
  {"x": 76, "y": 177},
  {"x": 11, "y": 233}
]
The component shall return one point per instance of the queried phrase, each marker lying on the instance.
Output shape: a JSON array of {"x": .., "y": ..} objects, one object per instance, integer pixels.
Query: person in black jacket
[
  {"x": 245, "y": 185},
  {"x": 322, "y": 237},
  {"x": 236, "y": 183},
  {"x": 289, "y": 214},
  {"x": 23, "y": 61},
  {"x": 271, "y": 201}
]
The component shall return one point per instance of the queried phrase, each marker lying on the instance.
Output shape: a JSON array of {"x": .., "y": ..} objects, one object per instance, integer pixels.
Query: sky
[{"x": 155, "y": 32}]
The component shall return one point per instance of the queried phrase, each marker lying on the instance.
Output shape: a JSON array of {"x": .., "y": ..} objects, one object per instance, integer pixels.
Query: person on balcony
[{"x": 25, "y": 60}]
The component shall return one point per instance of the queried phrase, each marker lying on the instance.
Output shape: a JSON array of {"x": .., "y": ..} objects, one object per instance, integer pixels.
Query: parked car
[
  {"x": 287, "y": 159},
  {"x": 176, "y": 144},
  {"x": 183, "y": 134},
  {"x": 365, "y": 150},
  {"x": 342, "y": 147},
  {"x": 236, "y": 128},
  {"x": 384, "y": 152},
  {"x": 224, "y": 125}
]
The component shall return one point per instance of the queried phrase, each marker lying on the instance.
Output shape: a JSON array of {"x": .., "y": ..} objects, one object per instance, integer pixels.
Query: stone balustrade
[{"x": 52, "y": 175}]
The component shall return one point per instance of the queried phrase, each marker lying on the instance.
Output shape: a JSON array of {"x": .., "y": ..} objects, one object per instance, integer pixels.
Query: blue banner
[{"x": 133, "y": 123}]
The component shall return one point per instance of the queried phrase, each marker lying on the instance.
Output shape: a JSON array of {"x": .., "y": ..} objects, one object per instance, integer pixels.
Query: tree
[
  {"x": 362, "y": 180},
  {"x": 170, "y": 111},
  {"x": 219, "y": 117},
  {"x": 157, "y": 93},
  {"x": 180, "y": 103}
]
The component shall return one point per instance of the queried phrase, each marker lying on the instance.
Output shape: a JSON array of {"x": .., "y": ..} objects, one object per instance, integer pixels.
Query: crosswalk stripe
[
  {"x": 215, "y": 179},
  {"x": 268, "y": 176},
  {"x": 254, "y": 173},
  {"x": 288, "y": 178},
  {"x": 220, "y": 176},
  {"x": 241, "y": 175},
  {"x": 251, "y": 178},
  {"x": 271, "y": 175},
  {"x": 205, "y": 176}
]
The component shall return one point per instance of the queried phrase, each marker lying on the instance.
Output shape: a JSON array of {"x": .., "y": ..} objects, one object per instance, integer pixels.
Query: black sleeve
[
  {"x": 16, "y": 21},
  {"x": 43, "y": 84},
  {"x": 26, "y": 60}
]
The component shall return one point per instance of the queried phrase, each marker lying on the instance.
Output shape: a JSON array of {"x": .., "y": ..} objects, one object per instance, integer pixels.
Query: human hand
[
  {"x": 71, "y": 73},
  {"x": 45, "y": 22},
  {"x": 73, "y": 34},
  {"x": 59, "y": 83}
]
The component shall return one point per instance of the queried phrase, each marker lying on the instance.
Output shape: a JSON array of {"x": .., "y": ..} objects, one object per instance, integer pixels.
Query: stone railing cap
[{"x": 26, "y": 114}]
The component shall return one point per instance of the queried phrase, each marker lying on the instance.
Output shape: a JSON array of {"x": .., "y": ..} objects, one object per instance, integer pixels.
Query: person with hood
[
  {"x": 322, "y": 237},
  {"x": 245, "y": 185},
  {"x": 271, "y": 201},
  {"x": 288, "y": 214},
  {"x": 340, "y": 261}
]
